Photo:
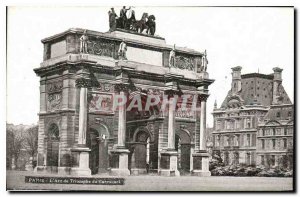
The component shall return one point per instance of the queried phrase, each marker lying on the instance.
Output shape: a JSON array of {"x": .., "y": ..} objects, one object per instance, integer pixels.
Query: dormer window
[{"x": 278, "y": 114}]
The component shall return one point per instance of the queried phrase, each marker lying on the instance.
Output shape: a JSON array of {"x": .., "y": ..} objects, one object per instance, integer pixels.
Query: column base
[
  {"x": 200, "y": 164},
  {"x": 80, "y": 172},
  {"x": 64, "y": 170},
  {"x": 119, "y": 172},
  {"x": 167, "y": 172},
  {"x": 137, "y": 171},
  {"x": 121, "y": 168},
  {"x": 83, "y": 168},
  {"x": 169, "y": 164}
]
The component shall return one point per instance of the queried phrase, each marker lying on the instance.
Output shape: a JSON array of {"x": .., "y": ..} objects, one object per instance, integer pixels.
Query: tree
[
  {"x": 15, "y": 142},
  {"x": 31, "y": 140}
]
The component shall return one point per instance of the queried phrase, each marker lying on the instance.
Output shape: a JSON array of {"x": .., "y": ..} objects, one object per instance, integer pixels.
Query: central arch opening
[
  {"x": 97, "y": 141},
  {"x": 183, "y": 147}
]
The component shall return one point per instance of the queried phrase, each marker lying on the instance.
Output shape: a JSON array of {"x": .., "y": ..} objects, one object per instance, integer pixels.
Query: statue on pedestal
[
  {"x": 172, "y": 57},
  {"x": 204, "y": 62},
  {"x": 83, "y": 43},
  {"x": 112, "y": 19},
  {"x": 130, "y": 19},
  {"x": 122, "y": 50},
  {"x": 123, "y": 18}
]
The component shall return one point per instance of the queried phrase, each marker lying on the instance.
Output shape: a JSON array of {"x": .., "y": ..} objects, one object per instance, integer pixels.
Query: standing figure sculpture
[
  {"x": 130, "y": 19},
  {"x": 204, "y": 62},
  {"x": 83, "y": 43},
  {"x": 122, "y": 50},
  {"x": 123, "y": 18},
  {"x": 172, "y": 57},
  {"x": 112, "y": 20}
]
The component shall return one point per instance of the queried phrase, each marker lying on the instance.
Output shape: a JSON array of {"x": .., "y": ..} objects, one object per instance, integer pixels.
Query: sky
[{"x": 256, "y": 38}]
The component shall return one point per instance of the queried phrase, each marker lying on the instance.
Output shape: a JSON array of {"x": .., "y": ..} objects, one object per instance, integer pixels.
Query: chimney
[
  {"x": 236, "y": 84},
  {"x": 277, "y": 80}
]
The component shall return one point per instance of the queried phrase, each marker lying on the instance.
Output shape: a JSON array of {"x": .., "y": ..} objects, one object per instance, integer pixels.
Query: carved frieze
[
  {"x": 101, "y": 102},
  {"x": 54, "y": 86},
  {"x": 54, "y": 101},
  {"x": 184, "y": 62},
  {"x": 54, "y": 97},
  {"x": 102, "y": 47}
]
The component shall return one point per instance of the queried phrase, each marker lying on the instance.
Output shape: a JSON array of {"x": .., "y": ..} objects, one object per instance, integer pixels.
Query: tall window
[
  {"x": 236, "y": 140},
  {"x": 284, "y": 143},
  {"x": 273, "y": 143},
  {"x": 273, "y": 160},
  {"x": 278, "y": 115},
  {"x": 236, "y": 158},
  {"x": 285, "y": 131},
  {"x": 218, "y": 125},
  {"x": 248, "y": 124},
  {"x": 248, "y": 139},
  {"x": 237, "y": 124},
  {"x": 248, "y": 159},
  {"x": 262, "y": 144},
  {"x": 262, "y": 160},
  {"x": 273, "y": 132},
  {"x": 217, "y": 141}
]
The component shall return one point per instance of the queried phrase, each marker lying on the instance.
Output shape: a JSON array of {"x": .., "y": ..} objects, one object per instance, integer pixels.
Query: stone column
[
  {"x": 202, "y": 133},
  {"x": 122, "y": 124},
  {"x": 121, "y": 151},
  {"x": 81, "y": 149},
  {"x": 201, "y": 156},
  {"x": 171, "y": 125},
  {"x": 169, "y": 158},
  {"x": 82, "y": 116}
]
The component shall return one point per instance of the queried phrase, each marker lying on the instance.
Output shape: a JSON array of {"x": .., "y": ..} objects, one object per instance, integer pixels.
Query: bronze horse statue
[
  {"x": 151, "y": 25},
  {"x": 146, "y": 23},
  {"x": 130, "y": 23}
]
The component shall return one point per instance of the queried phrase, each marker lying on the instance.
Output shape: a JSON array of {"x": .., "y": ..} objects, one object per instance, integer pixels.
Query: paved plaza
[{"x": 16, "y": 181}]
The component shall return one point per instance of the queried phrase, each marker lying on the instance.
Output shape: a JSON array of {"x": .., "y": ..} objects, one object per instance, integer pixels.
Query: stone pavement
[{"x": 16, "y": 181}]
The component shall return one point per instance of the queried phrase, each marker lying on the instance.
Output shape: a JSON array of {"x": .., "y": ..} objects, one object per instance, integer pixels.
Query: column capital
[
  {"x": 172, "y": 89},
  {"x": 203, "y": 97},
  {"x": 86, "y": 83},
  {"x": 171, "y": 93},
  {"x": 125, "y": 87}
]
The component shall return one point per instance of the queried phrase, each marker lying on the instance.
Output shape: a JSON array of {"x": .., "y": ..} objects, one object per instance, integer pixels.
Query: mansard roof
[
  {"x": 280, "y": 112},
  {"x": 257, "y": 89}
]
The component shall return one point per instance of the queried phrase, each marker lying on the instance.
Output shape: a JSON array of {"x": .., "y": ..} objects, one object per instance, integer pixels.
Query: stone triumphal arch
[{"x": 82, "y": 132}]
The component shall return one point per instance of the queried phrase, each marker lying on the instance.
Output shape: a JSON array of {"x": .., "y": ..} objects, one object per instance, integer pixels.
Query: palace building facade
[
  {"x": 242, "y": 123},
  {"x": 80, "y": 130}
]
